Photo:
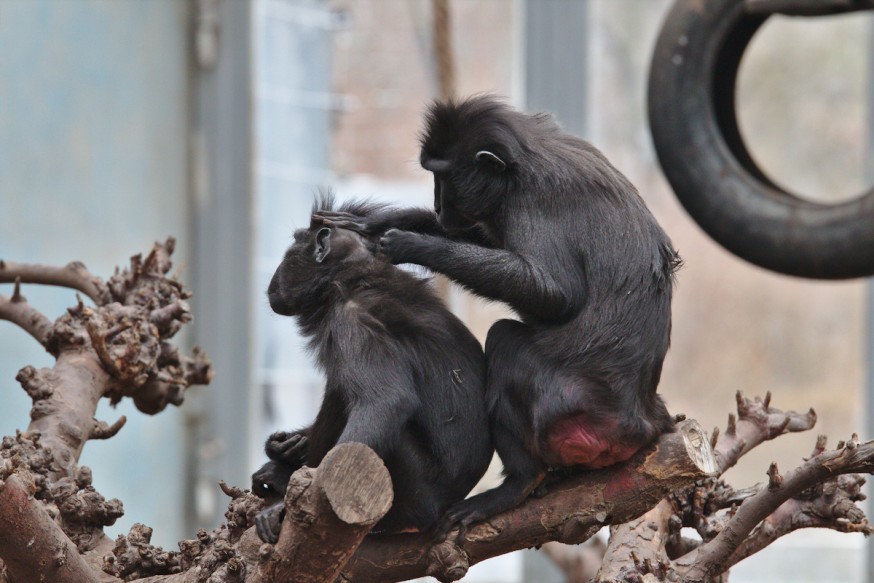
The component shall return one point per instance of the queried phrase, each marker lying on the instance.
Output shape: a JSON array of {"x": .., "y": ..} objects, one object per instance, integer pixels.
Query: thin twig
[
  {"x": 756, "y": 421},
  {"x": 713, "y": 557}
]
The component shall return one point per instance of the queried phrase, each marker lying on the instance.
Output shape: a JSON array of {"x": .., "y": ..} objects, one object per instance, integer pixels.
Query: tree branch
[
  {"x": 33, "y": 546},
  {"x": 829, "y": 505},
  {"x": 74, "y": 275},
  {"x": 118, "y": 348},
  {"x": 648, "y": 537},
  {"x": 328, "y": 515},
  {"x": 756, "y": 422},
  {"x": 713, "y": 557},
  {"x": 571, "y": 512},
  {"x": 19, "y": 312}
]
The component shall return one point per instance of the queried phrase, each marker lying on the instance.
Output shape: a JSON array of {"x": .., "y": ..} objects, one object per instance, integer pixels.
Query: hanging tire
[{"x": 694, "y": 127}]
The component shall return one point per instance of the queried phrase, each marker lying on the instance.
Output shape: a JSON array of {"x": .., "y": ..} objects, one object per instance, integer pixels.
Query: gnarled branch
[
  {"x": 713, "y": 557},
  {"x": 33, "y": 546},
  {"x": 74, "y": 275},
  {"x": 19, "y": 312},
  {"x": 572, "y": 511}
]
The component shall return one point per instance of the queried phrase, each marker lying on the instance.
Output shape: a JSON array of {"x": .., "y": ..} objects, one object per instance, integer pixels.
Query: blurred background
[{"x": 216, "y": 121}]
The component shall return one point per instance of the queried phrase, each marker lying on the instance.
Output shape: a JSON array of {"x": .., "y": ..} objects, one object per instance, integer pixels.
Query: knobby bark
[
  {"x": 736, "y": 523},
  {"x": 52, "y": 518}
]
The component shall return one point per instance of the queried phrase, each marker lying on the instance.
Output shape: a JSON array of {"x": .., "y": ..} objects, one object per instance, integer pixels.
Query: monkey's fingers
[
  {"x": 279, "y": 436},
  {"x": 343, "y": 220},
  {"x": 279, "y": 442},
  {"x": 394, "y": 244},
  {"x": 294, "y": 448}
]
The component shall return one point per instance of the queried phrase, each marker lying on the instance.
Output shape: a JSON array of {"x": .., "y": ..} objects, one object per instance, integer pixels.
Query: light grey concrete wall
[{"x": 93, "y": 130}]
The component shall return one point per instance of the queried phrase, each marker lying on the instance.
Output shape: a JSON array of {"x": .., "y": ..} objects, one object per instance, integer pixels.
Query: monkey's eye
[{"x": 490, "y": 160}]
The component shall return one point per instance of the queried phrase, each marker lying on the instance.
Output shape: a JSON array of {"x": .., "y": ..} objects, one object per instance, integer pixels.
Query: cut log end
[
  {"x": 698, "y": 446},
  {"x": 356, "y": 483}
]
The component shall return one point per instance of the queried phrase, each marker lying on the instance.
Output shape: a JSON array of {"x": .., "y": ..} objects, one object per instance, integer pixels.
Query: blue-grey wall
[{"x": 93, "y": 130}]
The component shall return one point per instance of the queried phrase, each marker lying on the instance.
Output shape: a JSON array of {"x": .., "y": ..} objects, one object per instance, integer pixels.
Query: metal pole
[
  {"x": 869, "y": 295},
  {"x": 555, "y": 80},
  {"x": 221, "y": 267},
  {"x": 556, "y": 60}
]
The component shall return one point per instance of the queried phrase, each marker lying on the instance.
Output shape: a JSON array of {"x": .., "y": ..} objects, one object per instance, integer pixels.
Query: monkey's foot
[
  {"x": 268, "y": 523},
  {"x": 460, "y": 515}
]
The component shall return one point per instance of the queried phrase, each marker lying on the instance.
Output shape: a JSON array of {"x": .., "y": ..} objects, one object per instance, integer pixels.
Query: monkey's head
[
  {"x": 472, "y": 147},
  {"x": 318, "y": 256}
]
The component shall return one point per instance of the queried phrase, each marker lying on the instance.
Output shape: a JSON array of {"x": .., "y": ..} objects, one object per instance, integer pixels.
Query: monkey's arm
[{"x": 497, "y": 274}]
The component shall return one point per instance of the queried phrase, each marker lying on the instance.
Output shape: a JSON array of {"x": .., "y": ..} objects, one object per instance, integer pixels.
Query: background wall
[{"x": 93, "y": 166}]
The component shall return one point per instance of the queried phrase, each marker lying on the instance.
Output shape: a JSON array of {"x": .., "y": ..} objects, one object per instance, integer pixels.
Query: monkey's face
[
  {"x": 312, "y": 262},
  {"x": 472, "y": 148},
  {"x": 467, "y": 191}
]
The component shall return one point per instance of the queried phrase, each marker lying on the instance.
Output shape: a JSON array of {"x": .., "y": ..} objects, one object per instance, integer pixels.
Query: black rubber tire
[{"x": 694, "y": 127}]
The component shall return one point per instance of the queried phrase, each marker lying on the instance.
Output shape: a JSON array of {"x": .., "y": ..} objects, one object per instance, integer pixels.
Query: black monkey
[
  {"x": 404, "y": 376},
  {"x": 539, "y": 219}
]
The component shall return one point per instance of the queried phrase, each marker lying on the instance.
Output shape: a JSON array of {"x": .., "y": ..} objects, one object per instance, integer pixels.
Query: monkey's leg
[
  {"x": 523, "y": 474},
  {"x": 510, "y": 393},
  {"x": 378, "y": 423},
  {"x": 420, "y": 498}
]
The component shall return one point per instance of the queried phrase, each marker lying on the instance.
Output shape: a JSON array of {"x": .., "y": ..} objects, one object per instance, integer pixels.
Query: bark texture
[{"x": 52, "y": 518}]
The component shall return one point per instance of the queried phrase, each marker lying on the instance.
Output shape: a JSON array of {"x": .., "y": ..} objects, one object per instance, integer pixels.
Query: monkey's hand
[
  {"x": 287, "y": 446},
  {"x": 268, "y": 522},
  {"x": 366, "y": 226},
  {"x": 401, "y": 246}
]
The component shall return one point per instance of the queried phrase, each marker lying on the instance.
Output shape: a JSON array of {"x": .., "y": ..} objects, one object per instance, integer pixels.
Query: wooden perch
[
  {"x": 52, "y": 518},
  {"x": 572, "y": 511},
  {"x": 328, "y": 515}
]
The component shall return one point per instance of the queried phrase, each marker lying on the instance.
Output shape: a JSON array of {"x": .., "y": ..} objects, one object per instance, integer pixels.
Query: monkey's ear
[
  {"x": 491, "y": 160},
  {"x": 323, "y": 244}
]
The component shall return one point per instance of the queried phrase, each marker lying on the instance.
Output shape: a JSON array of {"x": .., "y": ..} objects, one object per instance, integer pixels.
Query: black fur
[
  {"x": 404, "y": 376},
  {"x": 537, "y": 218}
]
